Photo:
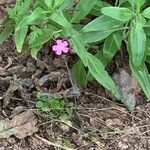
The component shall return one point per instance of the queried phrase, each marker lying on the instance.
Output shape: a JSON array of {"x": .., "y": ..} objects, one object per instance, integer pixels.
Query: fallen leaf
[
  {"x": 74, "y": 91},
  {"x": 14, "y": 85},
  {"x": 21, "y": 126},
  {"x": 128, "y": 88}
]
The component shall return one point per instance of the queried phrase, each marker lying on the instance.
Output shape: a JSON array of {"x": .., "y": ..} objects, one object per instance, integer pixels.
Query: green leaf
[
  {"x": 118, "y": 13},
  {"x": 140, "y": 72},
  {"x": 39, "y": 104},
  {"x": 138, "y": 41},
  {"x": 102, "y": 23},
  {"x": 43, "y": 38},
  {"x": 48, "y": 3},
  {"x": 34, "y": 35},
  {"x": 34, "y": 51},
  {"x": 39, "y": 32},
  {"x": 148, "y": 50},
  {"x": 82, "y": 9},
  {"x": 111, "y": 46},
  {"x": 60, "y": 19},
  {"x": 25, "y": 6},
  {"x": 37, "y": 14},
  {"x": 77, "y": 43},
  {"x": 38, "y": 38},
  {"x": 97, "y": 70},
  {"x": 139, "y": 3},
  {"x": 118, "y": 37},
  {"x": 148, "y": 46},
  {"x": 58, "y": 3},
  {"x": 142, "y": 76},
  {"x": 79, "y": 73},
  {"x": 20, "y": 36},
  {"x": 96, "y": 10},
  {"x": 122, "y": 2},
  {"x": 67, "y": 4},
  {"x": 91, "y": 37},
  {"x": 10, "y": 27},
  {"x": 20, "y": 10},
  {"x": 146, "y": 13}
]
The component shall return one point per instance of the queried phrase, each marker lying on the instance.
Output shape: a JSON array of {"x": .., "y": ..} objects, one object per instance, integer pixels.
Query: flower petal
[
  {"x": 59, "y": 42},
  {"x": 65, "y": 49},
  {"x": 58, "y": 52},
  {"x": 55, "y": 48},
  {"x": 65, "y": 43}
]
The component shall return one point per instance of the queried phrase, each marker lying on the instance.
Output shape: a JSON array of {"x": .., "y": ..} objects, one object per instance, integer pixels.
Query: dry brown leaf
[
  {"x": 21, "y": 125},
  {"x": 14, "y": 85},
  {"x": 128, "y": 88}
]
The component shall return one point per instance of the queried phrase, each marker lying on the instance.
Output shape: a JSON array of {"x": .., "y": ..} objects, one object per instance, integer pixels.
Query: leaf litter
[
  {"x": 128, "y": 87},
  {"x": 21, "y": 125}
]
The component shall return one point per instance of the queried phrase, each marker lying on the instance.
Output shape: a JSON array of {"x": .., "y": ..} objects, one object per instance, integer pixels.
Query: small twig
[
  {"x": 115, "y": 108},
  {"x": 61, "y": 121},
  {"x": 127, "y": 132},
  {"x": 53, "y": 144},
  {"x": 20, "y": 99}
]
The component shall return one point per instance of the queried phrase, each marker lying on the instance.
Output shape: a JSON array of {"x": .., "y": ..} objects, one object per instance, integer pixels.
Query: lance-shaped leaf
[
  {"x": 139, "y": 3},
  {"x": 102, "y": 23},
  {"x": 97, "y": 70},
  {"x": 82, "y": 9},
  {"x": 79, "y": 73},
  {"x": 142, "y": 76},
  {"x": 138, "y": 41},
  {"x": 91, "y": 37},
  {"x": 110, "y": 48},
  {"x": 60, "y": 19},
  {"x": 9, "y": 28},
  {"x": 20, "y": 36},
  {"x": 146, "y": 13},
  {"x": 118, "y": 13},
  {"x": 140, "y": 72}
]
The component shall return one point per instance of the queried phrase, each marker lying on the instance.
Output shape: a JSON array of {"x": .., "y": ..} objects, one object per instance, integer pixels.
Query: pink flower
[{"x": 60, "y": 47}]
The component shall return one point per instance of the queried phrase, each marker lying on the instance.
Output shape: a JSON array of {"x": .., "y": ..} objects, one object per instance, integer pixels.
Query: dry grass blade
[{"x": 53, "y": 144}]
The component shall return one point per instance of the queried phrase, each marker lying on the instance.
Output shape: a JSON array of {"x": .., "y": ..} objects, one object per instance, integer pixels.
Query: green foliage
[
  {"x": 97, "y": 23},
  {"x": 79, "y": 73},
  {"x": 118, "y": 13},
  {"x": 97, "y": 70},
  {"x": 102, "y": 23},
  {"x": 7, "y": 31},
  {"x": 146, "y": 13},
  {"x": 66, "y": 142},
  {"x": 54, "y": 107},
  {"x": 138, "y": 40},
  {"x": 82, "y": 9}
]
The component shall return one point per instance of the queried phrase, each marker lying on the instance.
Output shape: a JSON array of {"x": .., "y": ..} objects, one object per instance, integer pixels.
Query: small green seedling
[{"x": 55, "y": 107}]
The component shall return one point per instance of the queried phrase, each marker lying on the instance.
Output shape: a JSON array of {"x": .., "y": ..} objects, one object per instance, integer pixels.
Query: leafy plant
[
  {"x": 131, "y": 20},
  {"x": 54, "y": 107},
  {"x": 97, "y": 23}
]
